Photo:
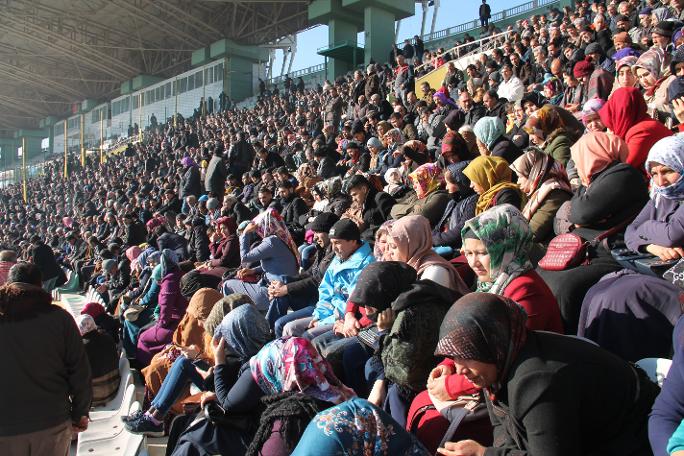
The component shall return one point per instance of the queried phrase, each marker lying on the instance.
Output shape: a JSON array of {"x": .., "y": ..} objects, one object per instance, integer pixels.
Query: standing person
[
  {"x": 45, "y": 387},
  {"x": 485, "y": 14},
  {"x": 43, "y": 257},
  {"x": 215, "y": 178}
]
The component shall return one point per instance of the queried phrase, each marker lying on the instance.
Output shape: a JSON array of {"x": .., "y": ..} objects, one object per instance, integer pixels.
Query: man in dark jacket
[
  {"x": 191, "y": 182},
  {"x": 43, "y": 257},
  {"x": 240, "y": 156},
  {"x": 45, "y": 388},
  {"x": 370, "y": 208},
  {"x": 215, "y": 178},
  {"x": 485, "y": 13},
  {"x": 136, "y": 233},
  {"x": 302, "y": 290},
  {"x": 293, "y": 207},
  {"x": 473, "y": 111},
  {"x": 327, "y": 163}
]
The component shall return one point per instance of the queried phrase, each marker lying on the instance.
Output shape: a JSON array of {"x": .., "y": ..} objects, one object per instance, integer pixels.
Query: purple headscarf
[{"x": 187, "y": 161}]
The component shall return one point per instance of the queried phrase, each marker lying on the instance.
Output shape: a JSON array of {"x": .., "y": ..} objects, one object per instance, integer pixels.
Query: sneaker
[
  {"x": 135, "y": 416},
  {"x": 145, "y": 426}
]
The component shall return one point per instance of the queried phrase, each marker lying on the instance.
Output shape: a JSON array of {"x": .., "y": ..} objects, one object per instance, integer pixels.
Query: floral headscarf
[
  {"x": 668, "y": 151},
  {"x": 332, "y": 186},
  {"x": 245, "y": 331},
  {"x": 657, "y": 62},
  {"x": 543, "y": 174},
  {"x": 271, "y": 223},
  {"x": 486, "y": 328},
  {"x": 357, "y": 428},
  {"x": 86, "y": 324},
  {"x": 293, "y": 364},
  {"x": 493, "y": 175},
  {"x": 507, "y": 237},
  {"x": 426, "y": 179}
]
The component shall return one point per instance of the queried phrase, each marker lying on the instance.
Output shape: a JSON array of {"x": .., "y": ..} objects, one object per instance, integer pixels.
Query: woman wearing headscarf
[
  {"x": 189, "y": 339},
  {"x": 490, "y": 178},
  {"x": 461, "y": 207},
  {"x": 281, "y": 366},
  {"x": 553, "y": 91},
  {"x": 624, "y": 76},
  {"x": 224, "y": 248},
  {"x": 338, "y": 202},
  {"x": 172, "y": 306},
  {"x": 380, "y": 247},
  {"x": 357, "y": 428},
  {"x": 543, "y": 390},
  {"x": 277, "y": 255},
  {"x": 590, "y": 115},
  {"x": 625, "y": 115},
  {"x": 652, "y": 70},
  {"x": 595, "y": 208},
  {"x": 626, "y": 303},
  {"x": 429, "y": 198},
  {"x": 139, "y": 315},
  {"x": 547, "y": 187},
  {"x": 244, "y": 330},
  {"x": 103, "y": 358},
  {"x": 410, "y": 241},
  {"x": 497, "y": 246},
  {"x": 103, "y": 320},
  {"x": 557, "y": 138},
  {"x": 489, "y": 132}
]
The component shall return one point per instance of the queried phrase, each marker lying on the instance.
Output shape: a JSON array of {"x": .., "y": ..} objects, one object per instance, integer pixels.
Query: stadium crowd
[{"x": 375, "y": 267}]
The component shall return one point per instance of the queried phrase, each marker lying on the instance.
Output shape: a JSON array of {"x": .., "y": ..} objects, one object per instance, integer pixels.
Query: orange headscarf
[{"x": 594, "y": 151}]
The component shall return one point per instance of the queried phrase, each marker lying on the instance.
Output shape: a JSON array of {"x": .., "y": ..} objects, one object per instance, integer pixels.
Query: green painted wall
[{"x": 379, "y": 34}]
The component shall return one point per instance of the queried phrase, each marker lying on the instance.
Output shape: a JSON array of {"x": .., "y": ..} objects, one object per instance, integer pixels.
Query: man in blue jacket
[{"x": 351, "y": 256}]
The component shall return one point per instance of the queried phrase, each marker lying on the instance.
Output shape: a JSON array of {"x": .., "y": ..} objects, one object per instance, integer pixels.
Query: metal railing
[
  {"x": 299, "y": 73},
  {"x": 496, "y": 17},
  {"x": 477, "y": 44}
]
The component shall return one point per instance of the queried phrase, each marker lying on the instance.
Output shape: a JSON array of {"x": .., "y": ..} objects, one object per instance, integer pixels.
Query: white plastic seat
[
  {"x": 111, "y": 426},
  {"x": 655, "y": 368},
  {"x": 115, "y": 405},
  {"x": 123, "y": 444}
]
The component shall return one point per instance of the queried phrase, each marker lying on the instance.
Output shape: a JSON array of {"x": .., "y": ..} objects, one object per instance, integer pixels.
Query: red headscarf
[
  {"x": 625, "y": 108},
  {"x": 93, "y": 309}
]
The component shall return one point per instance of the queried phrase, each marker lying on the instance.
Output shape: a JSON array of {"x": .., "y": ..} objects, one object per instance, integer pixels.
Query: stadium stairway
[{"x": 106, "y": 434}]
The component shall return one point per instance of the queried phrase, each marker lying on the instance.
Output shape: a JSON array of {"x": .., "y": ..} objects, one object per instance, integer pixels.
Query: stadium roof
[{"x": 57, "y": 52}]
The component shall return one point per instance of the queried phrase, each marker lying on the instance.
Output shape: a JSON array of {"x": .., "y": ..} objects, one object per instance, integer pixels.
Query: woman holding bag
[{"x": 611, "y": 193}]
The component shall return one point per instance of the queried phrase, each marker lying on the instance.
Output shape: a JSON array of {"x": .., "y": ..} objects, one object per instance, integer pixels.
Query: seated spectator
[
  {"x": 491, "y": 140},
  {"x": 8, "y": 258},
  {"x": 277, "y": 255},
  {"x": 369, "y": 209},
  {"x": 224, "y": 248},
  {"x": 373, "y": 430},
  {"x": 103, "y": 320},
  {"x": 490, "y": 178},
  {"x": 653, "y": 72},
  {"x": 241, "y": 334},
  {"x": 523, "y": 371},
  {"x": 172, "y": 306},
  {"x": 547, "y": 187},
  {"x": 664, "y": 424},
  {"x": 446, "y": 236},
  {"x": 300, "y": 292},
  {"x": 103, "y": 358},
  {"x": 188, "y": 339},
  {"x": 281, "y": 366},
  {"x": 516, "y": 133},
  {"x": 198, "y": 240},
  {"x": 428, "y": 197},
  {"x": 594, "y": 209},
  {"x": 625, "y": 115},
  {"x": 557, "y": 138},
  {"x": 504, "y": 267},
  {"x": 409, "y": 240},
  {"x": 140, "y": 313},
  {"x": 590, "y": 115},
  {"x": 624, "y": 304},
  {"x": 351, "y": 256}
]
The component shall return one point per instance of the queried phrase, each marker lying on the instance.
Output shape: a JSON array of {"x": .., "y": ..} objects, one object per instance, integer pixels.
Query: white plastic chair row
[
  {"x": 121, "y": 401},
  {"x": 122, "y": 444}
]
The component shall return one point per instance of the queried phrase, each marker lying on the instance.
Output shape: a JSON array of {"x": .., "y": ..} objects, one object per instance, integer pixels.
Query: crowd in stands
[{"x": 377, "y": 266}]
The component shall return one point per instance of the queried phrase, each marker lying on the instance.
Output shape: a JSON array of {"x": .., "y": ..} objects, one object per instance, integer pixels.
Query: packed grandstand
[{"x": 468, "y": 250}]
